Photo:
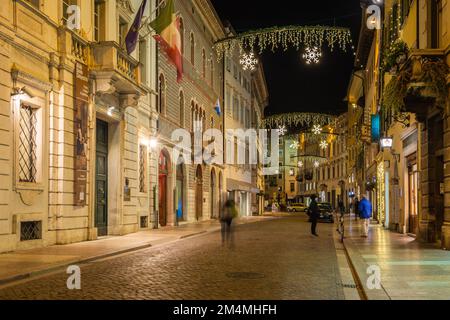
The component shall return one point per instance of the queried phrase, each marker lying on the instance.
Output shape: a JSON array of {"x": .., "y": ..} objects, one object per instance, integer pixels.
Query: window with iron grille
[
  {"x": 27, "y": 144},
  {"x": 30, "y": 230},
  {"x": 142, "y": 168}
]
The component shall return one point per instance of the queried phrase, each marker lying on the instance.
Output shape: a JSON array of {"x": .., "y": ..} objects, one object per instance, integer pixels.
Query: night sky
[{"x": 293, "y": 85}]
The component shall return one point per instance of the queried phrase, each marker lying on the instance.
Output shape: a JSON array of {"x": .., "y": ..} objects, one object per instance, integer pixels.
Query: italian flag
[{"x": 167, "y": 27}]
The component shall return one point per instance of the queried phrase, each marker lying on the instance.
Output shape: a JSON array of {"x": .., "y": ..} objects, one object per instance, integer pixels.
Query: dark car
[{"x": 326, "y": 212}]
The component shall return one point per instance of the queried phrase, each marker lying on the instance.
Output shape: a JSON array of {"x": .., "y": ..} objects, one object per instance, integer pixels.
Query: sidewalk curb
[
  {"x": 360, "y": 267},
  {"x": 66, "y": 264},
  {"x": 31, "y": 274}
]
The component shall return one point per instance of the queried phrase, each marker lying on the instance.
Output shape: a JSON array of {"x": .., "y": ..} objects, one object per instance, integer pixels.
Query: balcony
[
  {"x": 428, "y": 80},
  {"x": 111, "y": 65},
  {"x": 73, "y": 46}
]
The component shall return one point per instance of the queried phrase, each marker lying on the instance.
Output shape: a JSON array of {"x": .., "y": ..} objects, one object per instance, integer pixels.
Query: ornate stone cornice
[
  {"x": 126, "y": 5},
  {"x": 213, "y": 20},
  {"x": 29, "y": 79}
]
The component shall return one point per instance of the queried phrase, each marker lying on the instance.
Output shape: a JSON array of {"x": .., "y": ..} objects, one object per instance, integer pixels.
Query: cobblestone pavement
[{"x": 275, "y": 259}]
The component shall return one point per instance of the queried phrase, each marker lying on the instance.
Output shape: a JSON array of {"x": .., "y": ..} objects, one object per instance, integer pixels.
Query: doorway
[
  {"x": 180, "y": 192},
  {"x": 163, "y": 173},
  {"x": 413, "y": 195},
  {"x": 213, "y": 195},
  {"x": 199, "y": 193},
  {"x": 101, "y": 179}
]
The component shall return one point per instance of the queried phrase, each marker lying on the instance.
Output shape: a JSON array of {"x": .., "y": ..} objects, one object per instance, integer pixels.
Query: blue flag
[
  {"x": 132, "y": 37},
  {"x": 217, "y": 108}
]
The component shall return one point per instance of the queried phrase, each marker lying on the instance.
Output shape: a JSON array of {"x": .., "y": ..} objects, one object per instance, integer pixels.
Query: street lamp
[
  {"x": 153, "y": 143},
  {"x": 386, "y": 143}
]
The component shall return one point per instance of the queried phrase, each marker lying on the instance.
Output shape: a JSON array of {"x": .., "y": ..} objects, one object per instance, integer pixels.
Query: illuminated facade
[
  {"x": 410, "y": 193},
  {"x": 76, "y": 118}
]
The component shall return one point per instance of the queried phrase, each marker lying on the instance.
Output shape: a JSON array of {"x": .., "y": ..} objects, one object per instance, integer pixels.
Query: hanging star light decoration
[
  {"x": 317, "y": 129},
  {"x": 316, "y": 164},
  {"x": 248, "y": 61},
  {"x": 300, "y": 164},
  {"x": 312, "y": 55},
  {"x": 323, "y": 145},
  {"x": 294, "y": 145},
  {"x": 282, "y": 130}
]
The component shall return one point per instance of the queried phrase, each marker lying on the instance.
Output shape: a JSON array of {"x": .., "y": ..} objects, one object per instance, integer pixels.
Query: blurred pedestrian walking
[
  {"x": 365, "y": 213},
  {"x": 341, "y": 207},
  {"x": 229, "y": 212},
  {"x": 356, "y": 209},
  {"x": 313, "y": 212}
]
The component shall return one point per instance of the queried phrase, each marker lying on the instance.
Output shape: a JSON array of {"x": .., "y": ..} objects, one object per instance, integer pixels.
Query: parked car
[
  {"x": 326, "y": 212},
  {"x": 297, "y": 207}
]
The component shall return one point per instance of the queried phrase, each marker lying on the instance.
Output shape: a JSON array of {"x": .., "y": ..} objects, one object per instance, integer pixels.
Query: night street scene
[{"x": 223, "y": 156}]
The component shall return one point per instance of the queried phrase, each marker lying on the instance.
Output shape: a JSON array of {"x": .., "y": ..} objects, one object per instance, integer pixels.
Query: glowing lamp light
[
  {"x": 386, "y": 143},
  {"x": 316, "y": 164},
  {"x": 300, "y": 164},
  {"x": 153, "y": 143},
  {"x": 111, "y": 111}
]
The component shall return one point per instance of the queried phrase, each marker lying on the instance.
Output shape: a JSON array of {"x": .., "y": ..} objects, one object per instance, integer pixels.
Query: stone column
[{"x": 426, "y": 219}]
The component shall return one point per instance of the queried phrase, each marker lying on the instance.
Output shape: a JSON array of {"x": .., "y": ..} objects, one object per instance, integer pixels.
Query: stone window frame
[{"x": 39, "y": 106}]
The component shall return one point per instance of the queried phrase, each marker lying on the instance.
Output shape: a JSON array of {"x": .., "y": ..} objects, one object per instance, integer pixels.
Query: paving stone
[{"x": 294, "y": 266}]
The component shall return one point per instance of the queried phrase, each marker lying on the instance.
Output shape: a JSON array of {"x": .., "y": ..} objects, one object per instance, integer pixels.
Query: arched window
[
  {"x": 162, "y": 94},
  {"x": 203, "y": 63},
  {"x": 181, "y": 109},
  {"x": 182, "y": 35},
  {"x": 192, "y": 40}
]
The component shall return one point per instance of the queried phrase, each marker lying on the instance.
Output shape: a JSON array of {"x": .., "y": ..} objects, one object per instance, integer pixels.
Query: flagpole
[{"x": 151, "y": 14}]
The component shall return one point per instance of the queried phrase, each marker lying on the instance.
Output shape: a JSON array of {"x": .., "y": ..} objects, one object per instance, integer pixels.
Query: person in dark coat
[
  {"x": 341, "y": 207},
  {"x": 227, "y": 215},
  {"x": 314, "y": 215},
  {"x": 356, "y": 209}
]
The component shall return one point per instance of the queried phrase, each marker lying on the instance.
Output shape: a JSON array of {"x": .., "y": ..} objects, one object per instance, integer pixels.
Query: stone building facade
[
  {"x": 190, "y": 192},
  {"x": 410, "y": 193},
  {"x": 239, "y": 114},
  {"x": 76, "y": 115},
  {"x": 332, "y": 175}
]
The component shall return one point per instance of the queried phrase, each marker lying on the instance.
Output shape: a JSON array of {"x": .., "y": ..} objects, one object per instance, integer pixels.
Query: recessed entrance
[
  {"x": 413, "y": 183},
  {"x": 199, "y": 193},
  {"x": 163, "y": 174},
  {"x": 101, "y": 179}
]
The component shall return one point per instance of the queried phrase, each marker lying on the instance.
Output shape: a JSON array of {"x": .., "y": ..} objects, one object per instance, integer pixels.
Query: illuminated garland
[
  {"x": 285, "y": 38},
  {"x": 298, "y": 119},
  {"x": 311, "y": 159}
]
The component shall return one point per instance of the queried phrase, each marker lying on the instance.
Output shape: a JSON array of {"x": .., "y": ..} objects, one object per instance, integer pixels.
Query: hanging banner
[
  {"x": 81, "y": 102},
  {"x": 376, "y": 128}
]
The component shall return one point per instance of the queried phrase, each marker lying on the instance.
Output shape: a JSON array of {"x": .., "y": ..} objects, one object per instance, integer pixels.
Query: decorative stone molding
[
  {"x": 28, "y": 196},
  {"x": 28, "y": 79},
  {"x": 126, "y": 8},
  {"x": 129, "y": 100}
]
